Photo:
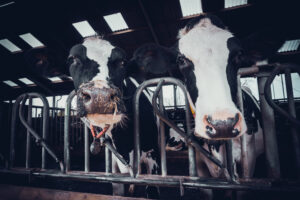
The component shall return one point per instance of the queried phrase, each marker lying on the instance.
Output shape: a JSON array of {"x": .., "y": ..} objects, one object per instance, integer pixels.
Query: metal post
[
  {"x": 13, "y": 130},
  {"x": 230, "y": 160},
  {"x": 175, "y": 95},
  {"x": 45, "y": 129},
  {"x": 66, "y": 131},
  {"x": 270, "y": 142},
  {"x": 244, "y": 154},
  {"x": 86, "y": 149},
  {"x": 28, "y": 136},
  {"x": 162, "y": 138},
  {"x": 292, "y": 112},
  {"x": 108, "y": 157}
]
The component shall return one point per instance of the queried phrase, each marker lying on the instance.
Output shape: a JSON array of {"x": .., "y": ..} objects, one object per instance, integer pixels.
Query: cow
[
  {"x": 208, "y": 59},
  {"x": 105, "y": 99}
]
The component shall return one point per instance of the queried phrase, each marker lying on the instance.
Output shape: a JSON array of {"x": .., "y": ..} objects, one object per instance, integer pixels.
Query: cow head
[
  {"x": 97, "y": 69},
  {"x": 208, "y": 61}
]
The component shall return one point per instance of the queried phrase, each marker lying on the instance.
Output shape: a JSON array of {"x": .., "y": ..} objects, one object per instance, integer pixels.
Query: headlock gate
[{"x": 265, "y": 78}]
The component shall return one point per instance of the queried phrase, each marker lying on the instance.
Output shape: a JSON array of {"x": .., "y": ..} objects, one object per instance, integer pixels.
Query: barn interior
[{"x": 54, "y": 27}]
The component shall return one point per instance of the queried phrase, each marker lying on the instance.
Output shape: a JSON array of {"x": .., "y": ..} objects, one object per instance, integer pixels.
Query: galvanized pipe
[
  {"x": 270, "y": 142},
  {"x": 110, "y": 147},
  {"x": 292, "y": 112},
  {"x": 168, "y": 181},
  {"x": 189, "y": 139},
  {"x": 86, "y": 149},
  {"x": 161, "y": 134},
  {"x": 230, "y": 160},
  {"x": 268, "y": 96},
  {"x": 244, "y": 154},
  {"x": 39, "y": 140},
  {"x": 108, "y": 156},
  {"x": 13, "y": 130},
  {"x": 66, "y": 130},
  {"x": 28, "y": 136}
]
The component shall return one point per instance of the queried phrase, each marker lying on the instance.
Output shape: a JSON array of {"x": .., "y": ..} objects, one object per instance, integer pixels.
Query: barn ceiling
[{"x": 149, "y": 21}]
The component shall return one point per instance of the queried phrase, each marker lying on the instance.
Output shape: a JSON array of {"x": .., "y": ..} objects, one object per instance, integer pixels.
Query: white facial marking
[
  {"x": 99, "y": 50},
  {"x": 206, "y": 46}
]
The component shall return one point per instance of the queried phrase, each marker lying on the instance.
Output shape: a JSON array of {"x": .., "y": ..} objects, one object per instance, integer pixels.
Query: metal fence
[{"x": 265, "y": 76}]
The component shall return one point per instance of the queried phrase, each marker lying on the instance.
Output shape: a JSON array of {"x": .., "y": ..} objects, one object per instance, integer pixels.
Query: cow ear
[
  {"x": 181, "y": 33},
  {"x": 260, "y": 45}
]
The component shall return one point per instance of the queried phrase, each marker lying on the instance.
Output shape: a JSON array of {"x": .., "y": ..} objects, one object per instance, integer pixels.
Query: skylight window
[
  {"x": 31, "y": 40},
  {"x": 10, "y": 83},
  {"x": 10, "y": 46},
  {"x": 84, "y": 28},
  {"x": 289, "y": 45},
  {"x": 190, "y": 7},
  {"x": 54, "y": 79},
  {"x": 116, "y": 22},
  {"x": 26, "y": 81},
  {"x": 234, "y": 3}
]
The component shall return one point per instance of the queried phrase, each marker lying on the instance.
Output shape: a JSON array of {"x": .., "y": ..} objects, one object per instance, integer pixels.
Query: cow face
[
  {"x": 208, "y": 63},
  {"x": 97, "y": 69}
]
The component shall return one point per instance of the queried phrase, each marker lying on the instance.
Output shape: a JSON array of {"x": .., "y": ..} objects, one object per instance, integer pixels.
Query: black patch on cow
[
  {"x": 81, "y": 68},
  {"x": 116, "y": 67},
  {"x": 235, "y": 49},
  {"x": 152, "y": 61},
  {"x": 214, "y": 20},
  {"x": 187, "y": 70},
  {"x": 251, "y": 114}
]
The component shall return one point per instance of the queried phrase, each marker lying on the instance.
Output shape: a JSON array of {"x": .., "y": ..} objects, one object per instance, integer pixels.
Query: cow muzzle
[
  {"x": 220, "y": 127},
  {"x": 100, "y": 103}
]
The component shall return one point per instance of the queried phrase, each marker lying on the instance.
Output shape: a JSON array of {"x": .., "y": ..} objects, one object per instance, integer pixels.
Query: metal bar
[
  {"x": 168, "y": 181},
  {"x": 188, "y": 138},
  {"x": 108, "y": 157},
  {"x": 45, "y": 129},
  {"x": 270, "y": 142},
  {"x": 28, "y": 136},
  {"x": 230, "y": 160},
  {"x": 86, "y": 149},
  {"x": 66, "y": 131},
  {"x": 292, "y": 111},
  {"x": 191, "y": 149},
  {"x": 109, "y": 146},
  {"x": 39, "y": 140},
  {"x": 161, "y": 136},
  {"x": 175, "y": 95},
  {"x": 13, "y": 130},
  {"x": 148, "y": 22},
  {"x": 268, "y": 97},
  {"x": 244, "y": 154}
]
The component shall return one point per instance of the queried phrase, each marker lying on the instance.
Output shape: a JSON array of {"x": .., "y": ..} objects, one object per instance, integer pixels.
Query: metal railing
[
  {"x": 244, "y": 183},
  {"x": 19, "y": 109}
]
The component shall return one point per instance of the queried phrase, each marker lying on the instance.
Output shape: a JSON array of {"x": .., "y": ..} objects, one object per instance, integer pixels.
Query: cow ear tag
[{"x": 95, "y": 147}]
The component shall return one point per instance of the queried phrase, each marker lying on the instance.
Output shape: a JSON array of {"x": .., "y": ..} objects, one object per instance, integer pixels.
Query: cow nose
[
  {"x": 96, "y": 97},
  {"x": 222, "y": 128}
]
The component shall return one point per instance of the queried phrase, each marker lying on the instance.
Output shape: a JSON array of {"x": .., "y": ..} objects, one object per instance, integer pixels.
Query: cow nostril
[
  {"x": 86, "y": 97},
  {"x": 210, "y": 131}
]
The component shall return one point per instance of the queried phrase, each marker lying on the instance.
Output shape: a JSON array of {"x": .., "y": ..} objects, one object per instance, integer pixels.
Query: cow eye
[
  {"x": 183, "y": 62},
  {"x": 72, "y": 59}
]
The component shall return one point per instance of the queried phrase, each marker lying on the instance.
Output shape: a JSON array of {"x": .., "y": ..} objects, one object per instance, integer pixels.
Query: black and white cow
[
  {"x": 105, "y": 99},
  {"x": 209, "y": 57}
]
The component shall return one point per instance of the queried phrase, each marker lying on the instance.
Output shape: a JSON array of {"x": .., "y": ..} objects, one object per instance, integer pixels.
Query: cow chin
[{"x": 101, "y": 120}]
